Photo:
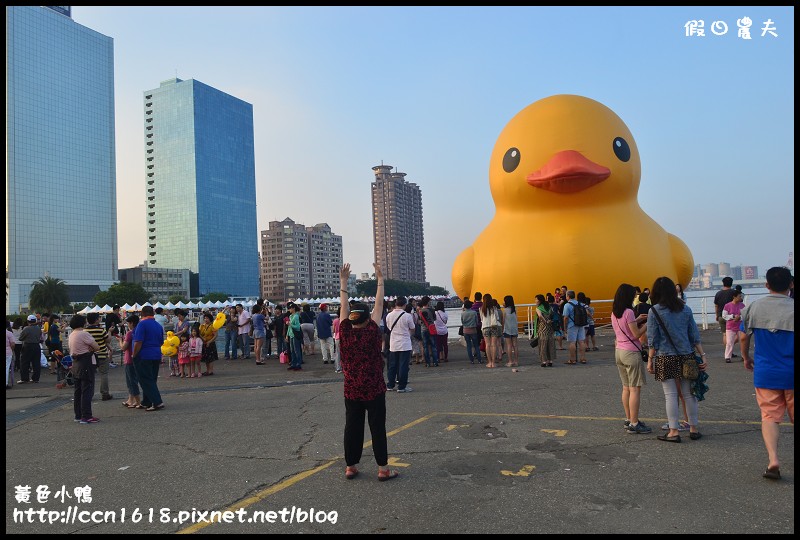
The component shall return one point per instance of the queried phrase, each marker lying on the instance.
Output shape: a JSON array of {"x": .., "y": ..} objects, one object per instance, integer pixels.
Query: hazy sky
[{"x": 336, "y": 91}]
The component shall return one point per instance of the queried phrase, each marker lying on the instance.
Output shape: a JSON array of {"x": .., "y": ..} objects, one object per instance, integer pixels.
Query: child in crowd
[
  {"x": 590, "y": 329},
  {"x": 183, "y": 357},
  {"x": 195, "y": 352}
]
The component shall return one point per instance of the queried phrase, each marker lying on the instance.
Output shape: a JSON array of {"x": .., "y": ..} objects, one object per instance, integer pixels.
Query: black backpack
[{"x": 579, "y": 315}]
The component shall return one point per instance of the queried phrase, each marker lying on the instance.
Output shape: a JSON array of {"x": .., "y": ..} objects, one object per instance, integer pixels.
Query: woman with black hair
[
  {"x": 364, "y": 386},
  {"x": 673, "y": 337},
  {"x": 628, "y": 328}
]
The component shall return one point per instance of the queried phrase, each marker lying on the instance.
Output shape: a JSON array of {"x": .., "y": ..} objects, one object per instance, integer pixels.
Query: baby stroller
[{"x": 64, "y": 376}]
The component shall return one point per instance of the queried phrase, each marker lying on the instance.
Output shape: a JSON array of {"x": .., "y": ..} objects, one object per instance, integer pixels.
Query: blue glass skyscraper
[
  {"x": 61, "y": 206},
  {"x": 201, "y": 186}
]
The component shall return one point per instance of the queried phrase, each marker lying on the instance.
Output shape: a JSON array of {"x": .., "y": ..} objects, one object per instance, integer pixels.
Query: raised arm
[
  {"x": 344, "y": 298},
  {"x": 377, "y": 311}
]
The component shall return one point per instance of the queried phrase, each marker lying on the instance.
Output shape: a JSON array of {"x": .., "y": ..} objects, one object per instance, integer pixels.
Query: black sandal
[{"x": 667, "y": 438}]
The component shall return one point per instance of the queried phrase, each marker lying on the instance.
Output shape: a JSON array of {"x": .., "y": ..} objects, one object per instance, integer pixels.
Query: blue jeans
[
  {"x": 473, "y": 347},
  {"x": 397, "y": 368},
  {"x": 280, "y": 345},
  {"x": 296, "y": 349},
  {"x": 147, "y": 371},
  {"x": 230, "y": 339},
  {"x": 429, "y": 347},
  {"x": 245, "y": 345}
]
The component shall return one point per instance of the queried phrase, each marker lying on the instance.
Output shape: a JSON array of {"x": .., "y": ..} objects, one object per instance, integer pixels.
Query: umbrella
[{"x": 699, "y": 386}]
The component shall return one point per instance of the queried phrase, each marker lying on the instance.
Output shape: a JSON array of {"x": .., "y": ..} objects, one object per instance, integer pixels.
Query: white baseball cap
[{"x": 31, "y": 318}]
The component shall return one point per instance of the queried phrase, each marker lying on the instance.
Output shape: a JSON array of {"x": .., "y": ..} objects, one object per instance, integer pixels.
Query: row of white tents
[
  {"x": 219, "y": 304},
  {"x": 169, "y": 305}
]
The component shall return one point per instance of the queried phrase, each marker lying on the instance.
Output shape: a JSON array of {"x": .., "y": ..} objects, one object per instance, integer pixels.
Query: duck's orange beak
[{"x": 568, "y": 172}]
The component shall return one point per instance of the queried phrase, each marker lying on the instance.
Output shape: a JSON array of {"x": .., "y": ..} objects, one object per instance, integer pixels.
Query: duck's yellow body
[{"x": 564, "y": 175}]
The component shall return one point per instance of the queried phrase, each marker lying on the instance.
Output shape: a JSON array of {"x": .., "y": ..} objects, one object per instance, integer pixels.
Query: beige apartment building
[
  {"x": 399, "y": 242},
  {"x": 299, "y": 261}
]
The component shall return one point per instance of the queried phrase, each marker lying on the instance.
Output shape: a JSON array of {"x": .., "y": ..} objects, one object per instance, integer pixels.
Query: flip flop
[
  {"x": 350, "y": 473},
  {"x": 387, "y": 475},
  {"x": 772, "y": 473}
]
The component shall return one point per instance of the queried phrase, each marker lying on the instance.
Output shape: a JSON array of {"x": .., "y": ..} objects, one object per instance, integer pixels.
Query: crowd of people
[{"x": 655, "y": 333}]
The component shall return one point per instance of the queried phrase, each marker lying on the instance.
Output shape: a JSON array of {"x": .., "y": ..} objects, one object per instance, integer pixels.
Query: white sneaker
[{"x": 404, "y": 390}]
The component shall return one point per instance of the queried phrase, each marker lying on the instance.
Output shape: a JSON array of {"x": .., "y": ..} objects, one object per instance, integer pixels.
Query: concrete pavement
[{"x": 479, "y": 450}]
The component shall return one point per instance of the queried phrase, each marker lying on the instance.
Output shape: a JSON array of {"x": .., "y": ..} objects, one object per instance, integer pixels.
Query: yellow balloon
[{"x": 175, "y": 341}]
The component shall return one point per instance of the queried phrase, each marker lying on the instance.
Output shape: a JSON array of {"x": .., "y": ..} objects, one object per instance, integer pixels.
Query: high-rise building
[
  {"x": 399, "y": 242},
  {"x": 61, "y": 201},
  {"x": 325, "y": 259},
  {"x": 724, "y": 269},
  {"x": 201, "y": 186},
  {"x": 299, "y": 261},
  {"x": 712, "y": 269},
  {"x": 161, "y": 283}
]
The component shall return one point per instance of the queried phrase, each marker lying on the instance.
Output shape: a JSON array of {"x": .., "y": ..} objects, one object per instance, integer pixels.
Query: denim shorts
[
  {"x": 576, "y": 333},
  {"x": 258, "y": 334}
]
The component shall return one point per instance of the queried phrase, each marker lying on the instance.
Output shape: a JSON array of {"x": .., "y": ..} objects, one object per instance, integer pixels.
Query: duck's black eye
[
  {"x": 621, "y": 149},
  {"x": 511, "y": 160}
]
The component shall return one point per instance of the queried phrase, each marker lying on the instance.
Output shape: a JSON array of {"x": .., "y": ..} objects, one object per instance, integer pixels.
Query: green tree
[
  {"x": 175, "y": 298},
  {"x": 215, "y": 296},
  {"x": 122, "y": 293},
  {"x": 49, "y": 295},
  {"x": 435, "y": 290}
]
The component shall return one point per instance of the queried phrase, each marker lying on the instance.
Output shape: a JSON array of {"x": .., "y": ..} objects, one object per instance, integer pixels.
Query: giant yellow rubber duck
[{"x": 564, "y": 175}]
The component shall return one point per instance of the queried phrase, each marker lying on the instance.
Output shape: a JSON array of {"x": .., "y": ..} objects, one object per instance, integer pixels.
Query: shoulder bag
[{"x": 689, "y": 369}]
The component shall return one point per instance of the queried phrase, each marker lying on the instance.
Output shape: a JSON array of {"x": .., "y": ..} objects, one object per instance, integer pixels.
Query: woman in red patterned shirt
[{"x": 361, "y": 340}]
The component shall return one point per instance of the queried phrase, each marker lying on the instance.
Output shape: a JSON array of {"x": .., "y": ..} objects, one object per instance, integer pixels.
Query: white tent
[
  {"x": 191, "y": 305},
  {"x": 136, "y": 307},
  {"x": 147, "y": 304},
  {"x": 127, "y": 307},
  {"x": 106, "y": 309},
  {"x": 85, "y": 310},
  {"x": 181, "y": 305},
  {"x": 218, "y": 304},
  {"x": 95, "y": 309},
  {"x": 169, "y": 305},
  {"x": 158, "y": 305}
]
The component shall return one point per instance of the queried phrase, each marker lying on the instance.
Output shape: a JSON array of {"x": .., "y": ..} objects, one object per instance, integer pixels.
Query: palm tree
[{"x": 49, "y": 294}]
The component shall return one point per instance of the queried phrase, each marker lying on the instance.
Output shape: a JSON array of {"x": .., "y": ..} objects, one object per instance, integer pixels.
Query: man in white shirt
[
  {"x": 401, "y": 328},
  {"x": 244, "y": 329}
]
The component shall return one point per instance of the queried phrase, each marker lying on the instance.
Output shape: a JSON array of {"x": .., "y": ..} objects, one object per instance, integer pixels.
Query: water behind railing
[{"x": 700, "y": 302}]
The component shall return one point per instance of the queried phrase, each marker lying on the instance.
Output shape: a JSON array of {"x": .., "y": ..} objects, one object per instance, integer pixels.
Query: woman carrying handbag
[{"x": 673, "y": 337}]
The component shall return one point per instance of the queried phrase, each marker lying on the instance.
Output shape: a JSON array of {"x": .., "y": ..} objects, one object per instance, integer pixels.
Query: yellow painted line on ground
[
  {"x": 451, "y": 427},
  {"x": 609, "y": 418},
  {"x": 397, "y": 463},
  {"x": 526, "y": 470},
  {"x": 263, "y": 494},
  {"x": 556, "y": 432}
]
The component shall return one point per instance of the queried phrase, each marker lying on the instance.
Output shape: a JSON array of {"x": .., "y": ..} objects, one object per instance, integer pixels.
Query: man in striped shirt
[{"x": 100, "y": 335}]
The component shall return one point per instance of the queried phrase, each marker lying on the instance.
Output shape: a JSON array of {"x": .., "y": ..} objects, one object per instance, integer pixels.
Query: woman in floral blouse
[{"x": 364, "y": 387}]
